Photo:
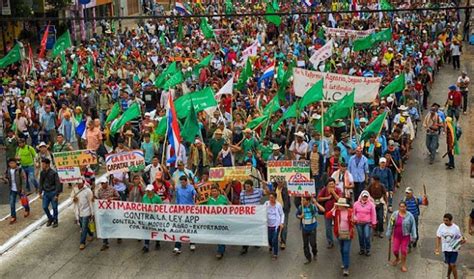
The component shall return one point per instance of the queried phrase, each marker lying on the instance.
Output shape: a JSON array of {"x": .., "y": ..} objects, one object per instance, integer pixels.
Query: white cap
[
  {"x": 102, "y": 179},
  {"x": 42, "y": 144},
  {"x": 383, "y": 160},
  {"x": 149, "y": 187}
]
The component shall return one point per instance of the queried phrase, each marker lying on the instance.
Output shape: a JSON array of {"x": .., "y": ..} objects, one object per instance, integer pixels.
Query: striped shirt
[
  {"x": 413, "y": 206},
  {"x": 252, "y": 198}
]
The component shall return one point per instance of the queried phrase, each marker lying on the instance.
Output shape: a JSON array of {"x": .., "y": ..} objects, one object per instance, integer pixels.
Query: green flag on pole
[
  {"x": 229, "y": 7},
  {"x": 201, "y": 100},
  {"x": 180, "y": 31},
  {"x": 191, "y": 126},
  {"x": 397, "y": 85},
  {"x": 373, "y": 128},
  {"x": 131, "y": 113},
  {"x": 272, "y": 106},
  {"x": 161, "y": 128},
  {"x": 371, "y": 40},
  {"x": 385, "y": 5},
  {"x": 12, "y": 56},
  {"x": 314, "y": 94},
  {"x": 170, "y": 70},
  {"x": 90, "y": 67},
  {"x": 291, "y": 112},
  {"x": 244, "y": 75},
  {"x": 114, "y": 113},
  {"x": 207, "y": 29},
  {"x": 63, "y": 64},
  {"x": 257, "y": 121},
  {"x": 339, "y": 110},
  {"x": 75, "y": 68},
  {"x": 275, "y": 19},
  {"x": 162, "y": 39},
  {"x": 203, "y": 64},
  {"x": 61, "y": 44},
  {"x": 174, "y": 80}
]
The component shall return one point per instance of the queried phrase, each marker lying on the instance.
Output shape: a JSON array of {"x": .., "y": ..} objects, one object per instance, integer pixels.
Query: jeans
[
  {"x": 84, "y": 223},
  {"x": 30, "y": 177},
  {"x": 456, "y": 62},
  {"x": 364, "y": 231},
  {"x": 379, "y": 212},
  {"x": 50, "y": 197},
  {"x": 358, "y": 188},
  {"x": 432, "y": 144},
  {"x": 328, "y": 227},
  {"x": 309, "y": 239},
  {"x": 102, "y": 117},
  {"x": 12, "y": 200},
  {"x": 220, "y": 249},
  {"x": 345, "y": 248},
  {"x": 451, "y": 158},
  {"x": 454, "y": 112},
  {"x": 284, "y": 231},
  {"x": 464, "y": 100},
  {"x": 273, "y": 233}
]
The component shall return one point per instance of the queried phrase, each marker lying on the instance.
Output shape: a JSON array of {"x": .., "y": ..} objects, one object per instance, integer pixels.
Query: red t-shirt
[{"x": 329, "y": 204}]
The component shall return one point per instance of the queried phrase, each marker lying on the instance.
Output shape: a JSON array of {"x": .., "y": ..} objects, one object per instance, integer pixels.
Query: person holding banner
[
  {"x": 185, "y": 194},
  {"x": 307, "y": 213},
  {"x": 82, "y": 198},
  {"x": 150, "y": 198},
  {"x": 217, "y": 198},
  {"x": 106, "y": 192},
  {"x": 275, "y": 223}
]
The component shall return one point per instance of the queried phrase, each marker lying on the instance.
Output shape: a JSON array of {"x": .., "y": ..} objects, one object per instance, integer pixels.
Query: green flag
[
  {"x": 244, "y": 75},
  {"x": 229, "y": 7},
  {"x": 12, "y": 56},
  {"x": 280, "y": 72},
  {"x": 275, "y": 19},
  {"x": 257, "y": 121},
  {"x": 207, "y": 29},
  {"x": 385, "y": 5},
  {"x": 174, "y": 80},
  {"x": 170, "y": 70},
  {"x": 162, "y": 39},
  {"x": 272, "y": 106},
  {"x": 191, "y": 126},
  {"x": 455, "y": 135},
  {"x": 201, "y": 100},
  {"x": 339, "y": 110},
  {"x": 61, "y": 44},
  {"x": 75, "y": 68},
  {"x": 309, "y": 27},
  {"x": 131, "y": 113},
  {"x": 90, "y": 67},
  {"x": 114, "y": 113},
  {"x": 203, "y": 64},
  {"x": 180, "y": 35},
  {"x": 161, "y": 128},
  {"x": 397, "y": 85},
  {"x": 285, "y": 81},
  {"x": 372, "y": 39},
  {"x": 291, "y": 112},
  {"x": 314, "y": 94},
  {"x": 373, "y": 128},
  {"x": 63, "y": 64}
]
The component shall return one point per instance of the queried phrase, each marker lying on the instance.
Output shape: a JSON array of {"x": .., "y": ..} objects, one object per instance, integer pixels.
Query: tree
[{"x": 59, "y": 4}]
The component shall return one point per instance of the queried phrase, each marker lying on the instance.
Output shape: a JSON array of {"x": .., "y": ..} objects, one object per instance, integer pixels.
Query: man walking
[
  {"x": 49, "y": 189},
  {"x": 432, "y": 123},
  {"x": 413, "y": 206},
  {"x": 16, "y": 179},
  {"x": 185, "y": 194},
  {"x": 463, "y": 84},
  {"x": 307, "y": 213},
  {"x": 150, "y": 198},
  {"x": 449, "y": 239},
  {"x": 82, "y": 198},
  {"x": 359, "y": 168}
]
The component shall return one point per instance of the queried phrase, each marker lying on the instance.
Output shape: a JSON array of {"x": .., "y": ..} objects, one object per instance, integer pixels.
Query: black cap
[{"x": 46, "y": 161}]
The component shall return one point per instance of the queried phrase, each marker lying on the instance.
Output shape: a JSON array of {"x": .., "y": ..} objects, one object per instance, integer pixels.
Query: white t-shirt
[
  {"x": 299, "y": 147},
  {"x": 12, "y": 175},
  {"x": 464, "y": 80},
  {"x": 450, "y": 237},
  {"x": 340, "y": 179}
]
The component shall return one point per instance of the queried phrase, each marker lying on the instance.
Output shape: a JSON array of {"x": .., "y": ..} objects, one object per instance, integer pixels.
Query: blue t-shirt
[
  {"x": 185, "y": 195},
  {"x": 148, "y": 149}
]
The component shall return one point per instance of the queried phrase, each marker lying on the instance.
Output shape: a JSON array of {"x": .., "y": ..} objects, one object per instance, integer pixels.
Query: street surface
[{"x": 54, "y": 253}]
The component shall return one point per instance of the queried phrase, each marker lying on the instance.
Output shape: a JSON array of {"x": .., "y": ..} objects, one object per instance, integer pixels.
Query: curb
[{"x": 31, "y": 228}]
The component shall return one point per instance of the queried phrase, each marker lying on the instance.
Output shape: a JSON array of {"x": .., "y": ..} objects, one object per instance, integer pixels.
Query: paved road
[{"x": 54, "y": 253}]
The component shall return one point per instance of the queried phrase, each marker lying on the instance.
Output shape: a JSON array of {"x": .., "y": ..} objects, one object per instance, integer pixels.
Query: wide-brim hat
[
  {"x": 299, "y": 134},
  {"x": 276, "y": 147},
  {"x": 342, "y": 202}
]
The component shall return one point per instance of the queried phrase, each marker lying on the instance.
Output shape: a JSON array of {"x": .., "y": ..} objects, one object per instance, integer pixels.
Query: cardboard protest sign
[
  {"x": 133, "y": 160},
  {"x": 295, "y": 173},
  {"x": 75, "y": 158}
]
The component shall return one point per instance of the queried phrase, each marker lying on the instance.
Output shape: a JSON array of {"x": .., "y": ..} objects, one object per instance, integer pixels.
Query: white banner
[
  {"x": 336, "y": 86},
  {"x": 339, "y": 33},
  {"x": 232, "y": 225},
  {"x": 126, "y": 161},
  {"x": 69, "y": 174},
  {"x": 322, "y": 54},
  {"x": 250, "y": 51}
]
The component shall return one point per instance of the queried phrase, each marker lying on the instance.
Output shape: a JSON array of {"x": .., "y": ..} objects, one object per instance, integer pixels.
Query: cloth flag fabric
[
  {"x": 229, "y": 7},
  {"x": 174, "y": 80},
  {"x": 397, "y": 85},
  {"x": 161, "y": 128},
  {"x": 373, "y": 128},
  {"x": 314, "y": 94},
  {"x": 227, "y": 89},
  {"x": 203, "y": 64},
  {"x": 12, "y": 56},
  {"x": 201, "y": 100},
  {"x": 272, "y": 106},
  {"x": 61, "y": 44},
  {"x": 174, "y": 137},
  {"x": 275, "y": 19},
  {"x": 75, "y": 68},
  {"x": 170, "y": 70},
  {"x": 244, "y": 75},
  {"x": 291, "y": 112},
  {"x": 332, "y": 20},
  {"x": 257, "y": 121},
  {"x": 29, "y": 65},
  {"x": 63, "y": 64},
  {"x": 250, "y": 51},
  {"x": 114, "y": 113},
  {"x": 322, "y": 54},
  {"x": 44, "y": 40},
  {"x": 268, "y": 73},
  {"x": 339, "y": 110},
  {"x": 81, "y": 128},
  {"x": 191, "y": 126},
  {"x": 372, "y": 39},
  {"x": 90, "y": 67},
  {"x": 206, "y": 29},
  {"x": 180, "y": 35},
  {"x": 307, "y": 3},
  {"x": 385, "y": 5},
  {"x": 131, "y": 113},
  {"x": 181, "y": 9}
]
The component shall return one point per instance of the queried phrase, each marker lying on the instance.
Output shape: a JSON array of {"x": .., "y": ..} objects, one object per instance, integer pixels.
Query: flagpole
[
  {"x": 352, "y": 122},
  {"x": 381, "y": 126},
  {"x": 164, "y": 142},
  {"x": 322, "y": 118}
]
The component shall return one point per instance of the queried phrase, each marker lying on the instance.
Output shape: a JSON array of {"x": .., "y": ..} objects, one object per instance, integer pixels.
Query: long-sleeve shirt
[
  {"x": 49, "y": 181},
  {"x": 385, "y": 175},
  {"x": 275, "y": 214},
  {"x": 358, "y": 167},
  {"x": 83, "y": 206},
  {"x": 364, "y": 213}
]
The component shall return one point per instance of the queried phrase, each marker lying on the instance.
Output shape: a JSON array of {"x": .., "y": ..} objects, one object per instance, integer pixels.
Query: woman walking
[
  {"x": 276, "y": 220},
  {"x": 341, "y": 214},
  {"x": 365, "y": 219},
  {"x": 401, "y": 230}
]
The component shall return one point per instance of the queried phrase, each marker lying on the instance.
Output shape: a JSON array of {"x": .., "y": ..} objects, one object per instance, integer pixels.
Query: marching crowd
[{"x": 51, "y": 108}]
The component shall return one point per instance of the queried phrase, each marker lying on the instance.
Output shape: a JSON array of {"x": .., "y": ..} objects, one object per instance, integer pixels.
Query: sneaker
[
  {"x": 145, "y": 250},
  {"x": 367, "y": 253},
  {"x": 192, "y": 247},
  {"x": 82, "y": 247},
  {"x": 345, "y": 273},
  {"x": 48, "y": 224},
  {"x": 219, "y": 256},
  {"x": 104, "y": 247},
  {"x": 283, "y": 246},
  {"x": 55, "y": 224},
  {"x": 274, "y": 257},
  {"x": 176, "y": 251}
]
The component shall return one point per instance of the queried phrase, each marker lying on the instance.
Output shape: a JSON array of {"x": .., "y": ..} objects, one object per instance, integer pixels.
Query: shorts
[{"x": 450, "y": 257}]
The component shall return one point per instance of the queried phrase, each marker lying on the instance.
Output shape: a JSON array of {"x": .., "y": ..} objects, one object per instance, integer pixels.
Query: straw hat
[{"x": 342, "y": 202}]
